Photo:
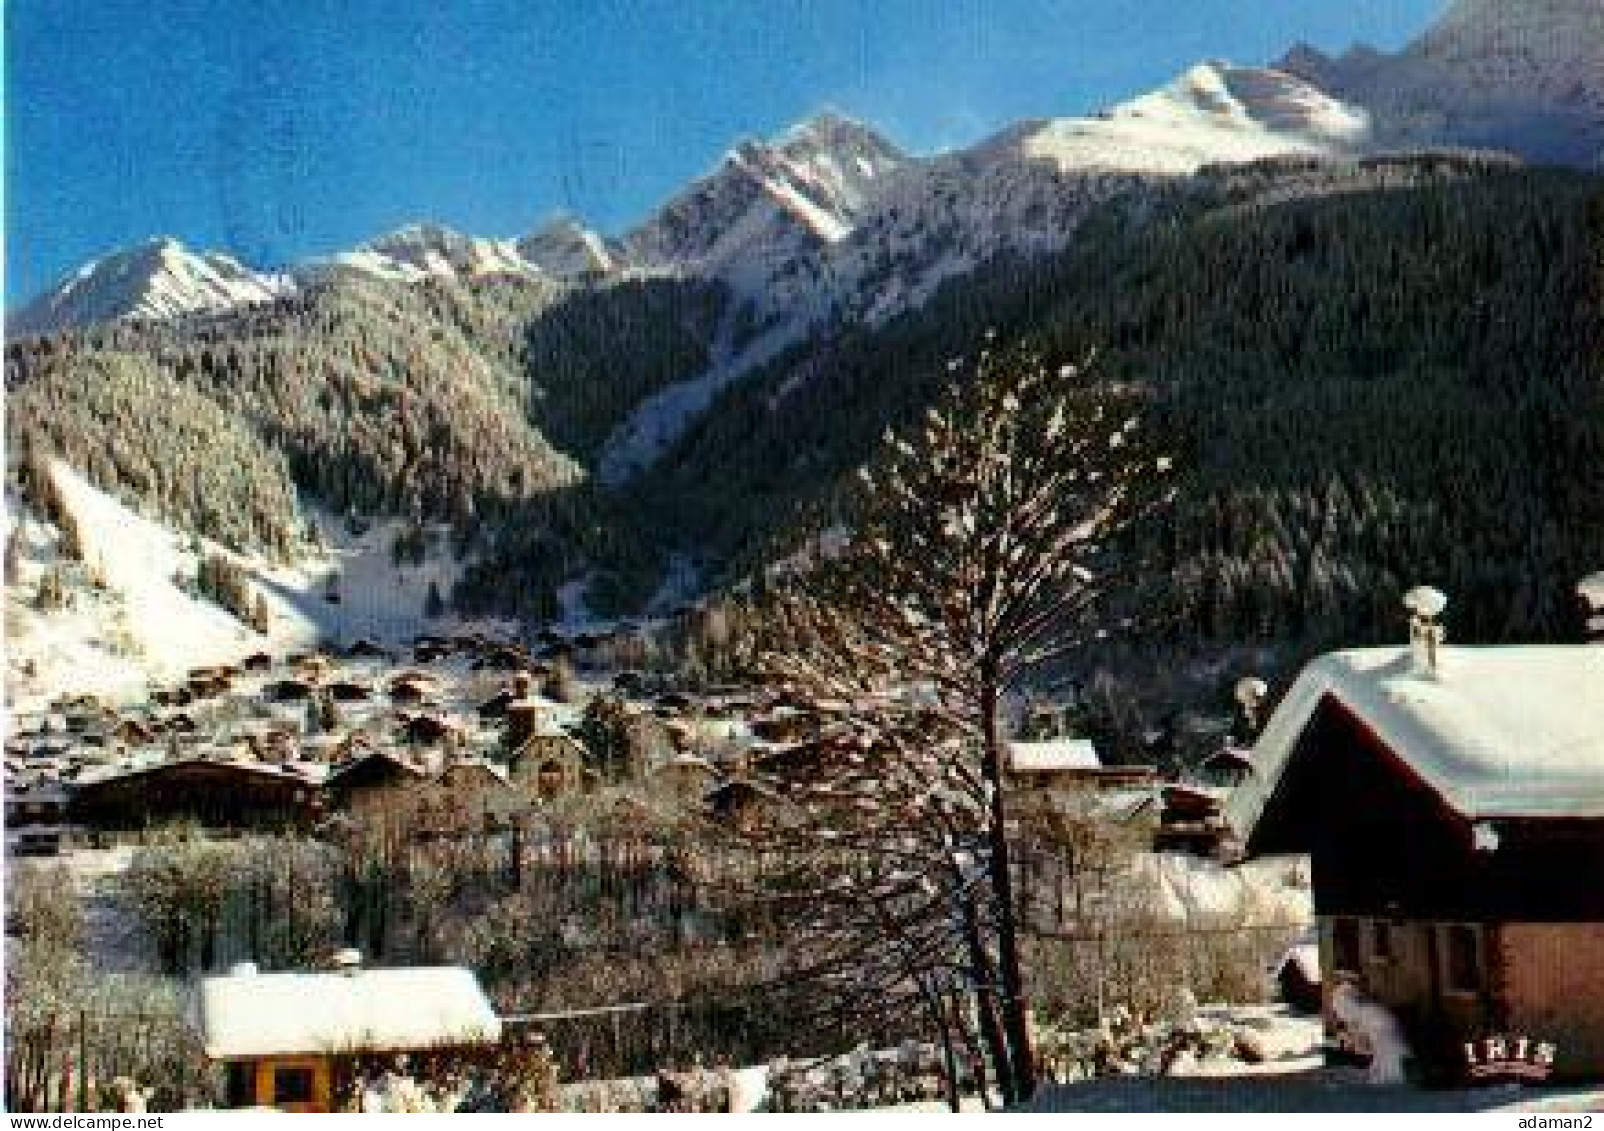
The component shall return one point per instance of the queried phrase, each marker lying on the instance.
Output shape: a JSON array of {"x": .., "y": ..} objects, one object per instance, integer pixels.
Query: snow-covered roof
[
  {"x": 250, "y": 1015},
  {"x": 684, "y": 762},
  {"x": 1053, "y": 754},
  {"x": 1495, "y": 732}
]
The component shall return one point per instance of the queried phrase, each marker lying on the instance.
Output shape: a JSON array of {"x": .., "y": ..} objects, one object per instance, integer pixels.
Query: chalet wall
[
  {"x": 1553, "y": 990},
  {"x": 1382, "y": 843},
  {"x": 1408, "y": 974}
]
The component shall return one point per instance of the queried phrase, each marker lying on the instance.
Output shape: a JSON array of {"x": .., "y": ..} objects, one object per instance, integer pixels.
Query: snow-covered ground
[
  {"x": 143, "y": 625},
  {"x": 1190, "y": 889},
  {"x": 147, "y": 626},
  {"x": 1292, "y": 1077}
]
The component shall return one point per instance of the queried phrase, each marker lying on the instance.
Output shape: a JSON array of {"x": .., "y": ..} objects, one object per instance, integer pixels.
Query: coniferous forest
[{"x": 1368, "y": 373}]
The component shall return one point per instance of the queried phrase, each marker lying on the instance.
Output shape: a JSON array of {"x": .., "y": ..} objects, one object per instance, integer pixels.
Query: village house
[
  {"x": 1451, "y": 800},
  {"x": 293, "y": 1040},
  {"x": 372, "y": 779},
  {"x": 36, "y": 816},
  {"x": 471, "y": 794},
  {"x": 1227, "y": 767},
  {"x": 212, "y": 793},
  {"x": 1053, "y": 776},
  {"x": 550, "y": 763},
  {"x": 1191, "y": 818},
  {"x": 1068, "y": 763},
  {"x": 681, "y": 781}
]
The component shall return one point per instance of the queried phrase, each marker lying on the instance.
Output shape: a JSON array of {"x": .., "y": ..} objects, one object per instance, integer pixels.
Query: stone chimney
[{"x": 1426, "y": 634}]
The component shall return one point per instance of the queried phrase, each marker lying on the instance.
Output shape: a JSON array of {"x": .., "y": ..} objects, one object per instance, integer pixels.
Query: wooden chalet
[
  {"x": 495, "y": 707},
  {"x": 1191, "y": 818},
  {"x": 295, "y": 1040},
  {"x": 134, "y": 732},
  {"x": 524, "y": 716},
  {"x": 372, "y": 778},
  {"x": 1451, "y": 801},
  {"x": 412, "y": 688},
  {"x": 1069, "y": 763},
  {"x": 428, "y": 730},
  {"x": 682, "y": 780},
  {"x": 1227, "y": 767},
  {"x": 365, "y": 649},
  {"x": 349, "y": 691},
  {"x": 550, "y": 763},
  {"x": 36, "y": 817},
  {"x": 472, "y": 794},
  {"x": 207, "y": 683},
  {"x": 287, "y": 690},
  {"x": 213, "y": 794}
]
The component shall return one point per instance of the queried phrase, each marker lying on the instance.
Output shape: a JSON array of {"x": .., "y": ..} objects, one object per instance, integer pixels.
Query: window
[
  {"x": 1345, "y": 944},
  {"x": 1381, "y": 941},
  {"x": 1462, "y": 953},
  {"x": 292, "y": 1085}
]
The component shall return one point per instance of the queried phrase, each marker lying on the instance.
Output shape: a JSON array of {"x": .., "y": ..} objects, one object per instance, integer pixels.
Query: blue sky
[{"x": 281, "y": 128}]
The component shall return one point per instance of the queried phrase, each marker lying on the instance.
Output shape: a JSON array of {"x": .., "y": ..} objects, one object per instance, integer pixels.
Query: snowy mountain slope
[
  {"x": 658, "y": 421},
  {"x": 1025, "y": 190},
  {"x": 805, "y": 188},
  {"x": 1215, "y": 112},
  {"x": 562, "y": 251},
  {"x": 919, "y": 222},
  {"x": 144, "y": 625},
  {"x": 163, "y": 279},
  {"x": 156, "y": 279},
  {"x": 881, "y": 231},
  {"x": 432, "y": 251},
  {"x": 567, "y": 250},
  {"x": 1521, "y": 75}
]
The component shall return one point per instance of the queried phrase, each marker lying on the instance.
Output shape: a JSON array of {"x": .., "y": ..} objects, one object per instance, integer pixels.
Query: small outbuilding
[{"x": 291, "y": 1040}]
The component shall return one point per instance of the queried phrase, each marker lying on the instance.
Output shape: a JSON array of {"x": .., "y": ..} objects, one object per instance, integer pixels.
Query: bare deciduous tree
[{"x": 984, "y": 547}]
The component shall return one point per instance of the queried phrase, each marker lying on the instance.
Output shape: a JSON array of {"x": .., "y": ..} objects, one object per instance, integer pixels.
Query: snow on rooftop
[
  {"x": 1053, "y": 754},
  {"x": 1495, "y": 732},
  {"x": 251, "y": 1015}
]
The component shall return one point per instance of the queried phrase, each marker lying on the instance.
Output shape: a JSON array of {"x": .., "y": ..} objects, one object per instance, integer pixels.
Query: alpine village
[{"x": 1108, "y": 618}]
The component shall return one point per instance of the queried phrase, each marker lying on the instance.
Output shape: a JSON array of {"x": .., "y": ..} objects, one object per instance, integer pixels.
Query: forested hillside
[
  {"x": 120, "y": 420},
  {"x": 1373, "y": 375},
  {"x": 433, "y": 401}
]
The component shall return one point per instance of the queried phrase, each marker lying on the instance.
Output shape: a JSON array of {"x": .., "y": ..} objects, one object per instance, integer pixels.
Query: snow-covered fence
[
  {"x": 637, "y": 1039},
  {"x": 64, "y": 1059}
]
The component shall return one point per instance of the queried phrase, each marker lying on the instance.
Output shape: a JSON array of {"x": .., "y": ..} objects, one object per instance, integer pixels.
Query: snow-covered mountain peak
[
  {"x": 1522, "y": 75},
  {"x": 809, "y": 185},
  {"x": 159, "y": 278},
  {"x": 831, "y": 137},
  {"x": 435, "y": 251},
  {"x": 1212, "y": 112},
  {"x": 565, "y": 249}
]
